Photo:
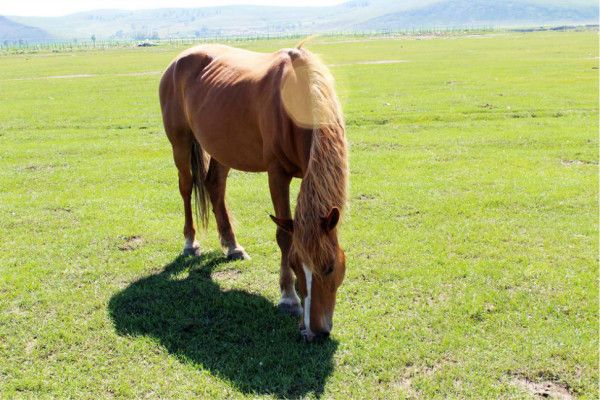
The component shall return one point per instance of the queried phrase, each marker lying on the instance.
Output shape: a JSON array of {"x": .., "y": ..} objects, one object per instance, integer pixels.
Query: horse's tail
[{"x": 199, "y": 174}]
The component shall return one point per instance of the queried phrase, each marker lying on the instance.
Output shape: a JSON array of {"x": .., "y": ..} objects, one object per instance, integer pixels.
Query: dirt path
[{"x": 150, "y": 73}]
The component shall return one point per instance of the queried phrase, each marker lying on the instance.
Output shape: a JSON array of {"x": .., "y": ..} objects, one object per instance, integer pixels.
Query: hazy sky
[{"x": 62, "y": 7}]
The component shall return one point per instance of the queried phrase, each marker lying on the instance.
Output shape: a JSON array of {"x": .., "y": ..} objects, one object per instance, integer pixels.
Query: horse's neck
[
  {"x": 323, "y": 187},
  {"x": 303, "y": 140},
  {"x": 326, "y": 171}
]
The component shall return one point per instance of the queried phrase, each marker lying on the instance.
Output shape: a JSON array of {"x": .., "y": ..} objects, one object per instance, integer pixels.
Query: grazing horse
[{"x": 225, "y": 108}]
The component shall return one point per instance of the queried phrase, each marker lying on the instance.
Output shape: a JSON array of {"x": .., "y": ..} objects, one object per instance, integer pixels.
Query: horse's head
[{"x": 320, "y": 265}]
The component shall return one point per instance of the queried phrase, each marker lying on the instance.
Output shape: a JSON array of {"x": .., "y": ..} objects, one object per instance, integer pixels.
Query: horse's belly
[
  {"x": 237, "y": 148},
  {"x": 225, "y": 121}
]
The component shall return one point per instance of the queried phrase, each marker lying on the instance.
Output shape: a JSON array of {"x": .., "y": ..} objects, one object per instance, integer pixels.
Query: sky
[{"x": 48, "y": 8}]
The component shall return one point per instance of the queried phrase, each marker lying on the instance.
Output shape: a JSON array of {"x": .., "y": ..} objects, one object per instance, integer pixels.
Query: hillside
[
  {"x": 349, "y": 16},
  {"x": 11, "y": 31},
  {"x": 484, "y": 12},
  {"x": 210, "y": 21}
]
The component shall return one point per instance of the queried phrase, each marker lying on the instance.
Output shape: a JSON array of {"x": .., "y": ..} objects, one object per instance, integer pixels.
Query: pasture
[{"x": 471, "y": 237}]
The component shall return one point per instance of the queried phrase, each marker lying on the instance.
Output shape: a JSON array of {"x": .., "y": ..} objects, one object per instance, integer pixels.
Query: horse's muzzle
[{"x": 310, "y": 336}]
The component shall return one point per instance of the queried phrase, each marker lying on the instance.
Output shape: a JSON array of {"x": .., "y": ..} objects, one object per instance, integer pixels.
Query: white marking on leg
[
  {"x": 307, "y": 299},
  {"x": 289, "y": 296},
  {"x": 191, "y": 244},
  {"x": 236, "y": 249}
]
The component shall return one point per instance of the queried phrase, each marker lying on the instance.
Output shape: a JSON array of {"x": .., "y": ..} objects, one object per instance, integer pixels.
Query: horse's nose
[
  {"x": 326, "y": 331},
  {"x": 321, "y": 336}
]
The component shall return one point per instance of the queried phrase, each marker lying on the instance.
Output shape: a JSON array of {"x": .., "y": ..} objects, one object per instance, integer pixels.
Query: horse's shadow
[{"x": 238, "y": 336}]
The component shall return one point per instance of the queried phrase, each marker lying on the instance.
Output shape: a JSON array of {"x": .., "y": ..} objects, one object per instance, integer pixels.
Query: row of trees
[{"x": 208, "y": 35}]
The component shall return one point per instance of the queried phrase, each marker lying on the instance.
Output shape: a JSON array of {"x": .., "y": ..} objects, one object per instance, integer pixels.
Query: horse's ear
[
  {"x": 284, "y": 223},
  {"x": 330, "y": 221}
]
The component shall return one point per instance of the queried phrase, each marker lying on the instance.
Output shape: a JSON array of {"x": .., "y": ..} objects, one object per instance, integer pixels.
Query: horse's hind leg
[
  {"x": 182, "y": 151},
  {"x": 216, "y": 181}
]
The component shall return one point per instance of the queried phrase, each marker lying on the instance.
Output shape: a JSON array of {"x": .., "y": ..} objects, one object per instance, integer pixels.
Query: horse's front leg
[{"x": 279, "y": 185}]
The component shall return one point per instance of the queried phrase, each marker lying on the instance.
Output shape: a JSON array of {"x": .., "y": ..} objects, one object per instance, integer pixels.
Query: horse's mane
[{"x": 325, "y": 183}]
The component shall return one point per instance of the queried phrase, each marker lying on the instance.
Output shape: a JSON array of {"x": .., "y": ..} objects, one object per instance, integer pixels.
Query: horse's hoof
[
  {"x": 238, "y": 255},
  {"x": 294, "y": 310},
  {"x": 192, "y": 251},
  {"x": 307, "y": 335}
]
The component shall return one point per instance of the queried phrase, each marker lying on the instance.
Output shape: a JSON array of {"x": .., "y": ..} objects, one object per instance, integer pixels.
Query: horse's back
[{"x": 229, "y": 98}]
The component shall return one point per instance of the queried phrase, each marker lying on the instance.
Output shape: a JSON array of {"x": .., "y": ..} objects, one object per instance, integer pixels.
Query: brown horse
[{"x": 230, "y": 108}]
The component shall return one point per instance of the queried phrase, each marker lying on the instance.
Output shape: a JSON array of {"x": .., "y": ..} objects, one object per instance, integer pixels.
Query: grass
[{"x": 472, "y": 236}]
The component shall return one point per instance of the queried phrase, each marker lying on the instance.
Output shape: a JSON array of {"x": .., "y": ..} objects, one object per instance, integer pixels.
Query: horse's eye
[{"x": 329, "y": 270}]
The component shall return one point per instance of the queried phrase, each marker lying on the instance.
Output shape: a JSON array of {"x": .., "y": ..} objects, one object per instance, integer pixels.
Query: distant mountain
[
  {"x": 350, "y": 16},
  {"x": 13, "y": 31},
  {"x": 211, "y": 21},
  {"x": 483, "y": 12}
]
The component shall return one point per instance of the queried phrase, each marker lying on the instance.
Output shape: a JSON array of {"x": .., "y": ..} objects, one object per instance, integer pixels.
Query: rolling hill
[
  {"x": 484, "y": 12},
  {"x": 260, "y": 20},
  {"x": 12, "y": 31}
]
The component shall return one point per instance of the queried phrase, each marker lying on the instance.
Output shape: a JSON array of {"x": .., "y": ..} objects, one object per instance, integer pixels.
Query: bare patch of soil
[
  {"x": 371, "y": 62},
  {"x": 144, "y": 73},
  {"x": 131, "y": 243},
  {"x": 70, "y": 76},
  {"x": 568, "y": 163},
  {"x": 42, "y": 167},
  {"x": 79, "y": 76},
  {"x": 30, "y": 346},
  {"x": 61, "y": 209},
  {"x": 545, "y": 389},
  {"x": 227, "y": 275},
  {"x": 364, "y": 196},
  {"x": 405, "y": 382}
]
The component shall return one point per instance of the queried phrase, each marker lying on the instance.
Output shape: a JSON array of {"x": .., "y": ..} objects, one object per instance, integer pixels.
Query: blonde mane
[{"x": 325, "y": 184}]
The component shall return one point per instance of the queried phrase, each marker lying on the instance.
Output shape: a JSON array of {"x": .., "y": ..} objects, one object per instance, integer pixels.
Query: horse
[{"x": 224, "y": 108}]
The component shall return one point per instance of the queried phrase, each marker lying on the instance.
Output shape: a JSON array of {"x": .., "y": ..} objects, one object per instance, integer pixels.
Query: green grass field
[{"x": 472, "y": 235}]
